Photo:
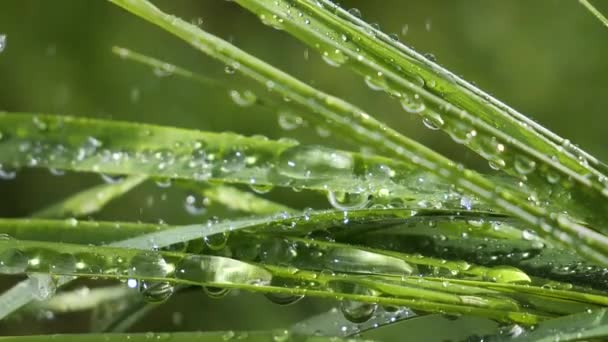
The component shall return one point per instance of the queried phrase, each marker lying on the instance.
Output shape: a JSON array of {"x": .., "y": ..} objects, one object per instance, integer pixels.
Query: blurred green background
[{"x": 546, "y": 58}]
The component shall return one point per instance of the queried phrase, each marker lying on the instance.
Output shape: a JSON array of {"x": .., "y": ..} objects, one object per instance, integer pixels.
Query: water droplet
[
  {"x": 334, "y": 59},
  {"x": 13, "y": 261},
  {"x": 216, "y": 242},
  {"x": 430, "y": 57},
  {"x": 314, "y": 162},
  {"x": 2, "y": 42},
  {"x": 412, "y": 104},
  {"x": 244, "y": 99},
  {"x": 357, "y": 312},
  {"x": 347, "y": 201},
  {"x": 111, "y": 179},
  {"x": 233, "y": 162},
  {"x": 355, "y": 12},
  {"x": 261, "y": 188},
  {"x": 164, "y": 70},
  {"x": 404, "y": 29},
  {"x": 524, "y": 165},
  {"x": 433, "y": 121},
  {"x": 376, "y": 82},
  {"x": 283, "y": 299},
  {"x": 196, "y": 205},
  {"x": 156, "y": 291},
  {"x": 289, "y": 121}
]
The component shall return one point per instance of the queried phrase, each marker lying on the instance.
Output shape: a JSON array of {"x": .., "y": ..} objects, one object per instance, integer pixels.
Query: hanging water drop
[
  {"x": 433, "y": 121},
  {"x": 13, "y": 261},
  {"x": 412, "y": 104},
  {"x": 216, "y": 242},
  {"x": 261, "y": 188},
  {"x": 524, "y": 165},
  {"x": 156, "y": 291},
  {"x": 347, "y": 201},
  {"x": 355, "y": 12},
  {"x": 289, "y": 121},
  {"x": 195, "y": 205},
  {"x": 244, "y": 98},
  {"x": 357, "y": 312}
]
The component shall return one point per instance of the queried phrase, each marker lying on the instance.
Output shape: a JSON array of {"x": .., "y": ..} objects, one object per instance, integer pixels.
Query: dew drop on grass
[
  {"x": 283, "y": 298},
  {"x": 216, "y": 242},
  {"x": 376, "y": 82},
  {"x": 261, "y": 188},
  {"x": 357, "y": 312},
  {"x": 355, "y": 12},
  {"x": 334, "y": 59},
  {"x": 2, "y": 42},
  {"x": 433, "y": 121},
  {"x": 156, "y": 291},
  {"x": 347, "y": 200},
  {"x": 315, "y": 162},
  {"x": 195, "y": 205},
  {"x": 289, "y": 121},
  {"x": 412, "y": 104},
  {"x": 13, "y": 261},
  {"x": 111, "y": 179},
  {"x": 524, "y": 165},
  {"x": 244, "y": 98}
]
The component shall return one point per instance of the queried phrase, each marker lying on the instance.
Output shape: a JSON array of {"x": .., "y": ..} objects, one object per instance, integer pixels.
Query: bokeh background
[{"x": 546, "y": 58}]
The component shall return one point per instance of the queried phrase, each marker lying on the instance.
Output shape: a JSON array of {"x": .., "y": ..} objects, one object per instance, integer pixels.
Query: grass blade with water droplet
[{"x": 355, "y": 123}]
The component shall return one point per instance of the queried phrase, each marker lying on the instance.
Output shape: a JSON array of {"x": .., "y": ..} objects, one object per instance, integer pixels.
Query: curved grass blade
[
  {"x": 502, "y": 139},
  {"x": 81, "y": 299},
  {"x": 91, "y": 200},
  {"x": 594, "y": 11},
  {"x": 355, "y": 123}
]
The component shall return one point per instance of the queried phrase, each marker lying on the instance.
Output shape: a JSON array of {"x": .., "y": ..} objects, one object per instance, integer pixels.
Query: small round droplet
[{"x": 13, "y": 261}]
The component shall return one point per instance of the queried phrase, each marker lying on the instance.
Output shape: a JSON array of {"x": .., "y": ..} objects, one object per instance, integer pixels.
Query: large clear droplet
[
  {"x": 347, "y": 201},
  {"x": 283, "y": 299}
]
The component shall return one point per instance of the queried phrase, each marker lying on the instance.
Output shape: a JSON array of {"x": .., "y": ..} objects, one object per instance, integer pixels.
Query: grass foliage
[{"x": 411, "y": 232}]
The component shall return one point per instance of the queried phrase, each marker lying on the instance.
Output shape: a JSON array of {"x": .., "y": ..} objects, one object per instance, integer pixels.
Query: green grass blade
[
  {"x": 351, "y": 121},
  {"x": 595, "y": 12},
  {"x": 113, "y": 147}
]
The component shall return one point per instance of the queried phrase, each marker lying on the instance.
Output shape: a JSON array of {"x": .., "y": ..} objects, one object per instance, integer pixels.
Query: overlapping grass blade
[
  {"x": 445, "y": 102},
  {"x": 351, "y": 121},
  {"x": 595, "y": 12}
]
